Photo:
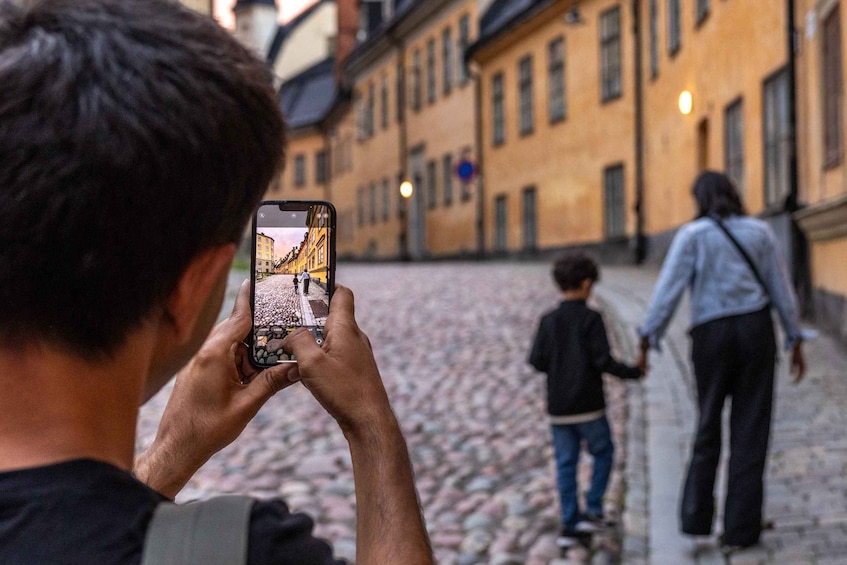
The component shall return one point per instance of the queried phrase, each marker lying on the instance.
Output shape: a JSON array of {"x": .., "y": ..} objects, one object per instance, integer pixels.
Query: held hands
[{"x": 213, "y": 399}]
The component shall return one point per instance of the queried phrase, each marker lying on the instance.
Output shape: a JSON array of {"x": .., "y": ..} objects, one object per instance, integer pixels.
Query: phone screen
[{"x": 293, "y": 262}]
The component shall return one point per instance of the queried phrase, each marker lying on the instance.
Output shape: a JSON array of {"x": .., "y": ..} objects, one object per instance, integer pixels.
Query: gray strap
[{"x": 209, "y": 532}]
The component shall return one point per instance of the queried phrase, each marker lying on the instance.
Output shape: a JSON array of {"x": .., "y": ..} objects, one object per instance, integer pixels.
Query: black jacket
[{"x": 572, "y": 348}]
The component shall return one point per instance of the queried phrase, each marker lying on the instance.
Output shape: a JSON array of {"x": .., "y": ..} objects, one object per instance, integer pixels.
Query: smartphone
[{"x": 293, "y": 274}]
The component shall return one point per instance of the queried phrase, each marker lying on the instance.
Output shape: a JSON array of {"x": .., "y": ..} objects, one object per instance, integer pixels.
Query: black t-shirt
[{"x": 86, "y": 512}]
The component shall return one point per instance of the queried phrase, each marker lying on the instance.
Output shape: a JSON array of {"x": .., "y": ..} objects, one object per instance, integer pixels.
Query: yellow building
[
  {"x": 412, "y": 105},
  {"x": 557, "y": 129},
  {"x": 821, "y": 167},
  {"x": 733, "y": 117},
  {"x": 264, "y": 254}
]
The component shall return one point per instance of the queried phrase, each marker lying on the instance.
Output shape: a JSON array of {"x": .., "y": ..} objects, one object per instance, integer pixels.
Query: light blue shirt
[{"x": 703, "y": 259}]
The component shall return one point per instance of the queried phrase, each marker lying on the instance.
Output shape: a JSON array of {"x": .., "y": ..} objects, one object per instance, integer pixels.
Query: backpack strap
[{"x": 199, "y": 533}]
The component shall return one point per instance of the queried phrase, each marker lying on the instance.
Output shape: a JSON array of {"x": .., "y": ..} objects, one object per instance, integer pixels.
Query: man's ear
[{"x": 189, "y": 301}]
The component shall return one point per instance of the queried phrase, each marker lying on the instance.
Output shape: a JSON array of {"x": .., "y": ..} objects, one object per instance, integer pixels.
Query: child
[
  {"x": 296, "y": 282},
  {"x": 572, "y": 348}
]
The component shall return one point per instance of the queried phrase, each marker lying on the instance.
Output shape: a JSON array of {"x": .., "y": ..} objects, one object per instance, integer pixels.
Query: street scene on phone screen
[{"x": 291, "y": 276}]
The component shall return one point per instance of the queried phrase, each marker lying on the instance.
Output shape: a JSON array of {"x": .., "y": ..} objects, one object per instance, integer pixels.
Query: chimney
[{"x": 348, "y": 29}]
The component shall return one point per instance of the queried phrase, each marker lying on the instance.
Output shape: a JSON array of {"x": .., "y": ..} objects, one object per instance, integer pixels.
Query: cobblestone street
[{"x": 451, "y": 341}]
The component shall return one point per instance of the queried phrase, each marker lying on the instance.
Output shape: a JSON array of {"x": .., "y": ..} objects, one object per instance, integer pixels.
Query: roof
[
  {"x": 307, "y": 98},
  {"x": 283, "y": 31},
  {"x": 502, "y": 16}
]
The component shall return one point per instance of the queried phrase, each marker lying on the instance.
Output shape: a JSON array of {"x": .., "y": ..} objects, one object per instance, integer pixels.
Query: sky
[
  {"x": 287, "y": 10},
  {"x": 284, "y": 238}
]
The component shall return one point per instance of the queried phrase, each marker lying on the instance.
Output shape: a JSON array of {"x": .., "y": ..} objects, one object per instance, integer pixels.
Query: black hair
[
  {"x": 134, "y": 134},
  {"x": 716, "y": 196},
  {"x": 571, "y": 269}
]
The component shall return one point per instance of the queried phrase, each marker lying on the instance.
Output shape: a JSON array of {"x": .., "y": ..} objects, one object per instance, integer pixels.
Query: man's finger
[
  {"x": 342, "y": 303},
  {"x": 269, "y": 382},
  {"x": 237, "y": 326},
  {"x": 302, "y": 344}
]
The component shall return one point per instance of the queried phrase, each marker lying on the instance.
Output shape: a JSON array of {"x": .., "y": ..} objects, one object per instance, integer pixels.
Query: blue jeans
[{"x": 566, "y": 445}]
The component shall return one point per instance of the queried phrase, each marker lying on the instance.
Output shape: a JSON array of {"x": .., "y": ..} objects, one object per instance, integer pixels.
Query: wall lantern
[
  {"x": 406, "y": 189},
  {"x": 686, "y": 102}
]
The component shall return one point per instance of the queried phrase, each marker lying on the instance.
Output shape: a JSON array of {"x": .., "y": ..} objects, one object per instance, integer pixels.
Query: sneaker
[
  {"x": 572, "y": 538},
  {"x": 591, "y": 523}
]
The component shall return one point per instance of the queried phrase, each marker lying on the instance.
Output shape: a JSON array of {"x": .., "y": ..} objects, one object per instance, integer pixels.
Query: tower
[{"x": 255, "y": 24}]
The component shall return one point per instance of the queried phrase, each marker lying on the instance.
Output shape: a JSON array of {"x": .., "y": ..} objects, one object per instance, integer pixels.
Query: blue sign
[{"x": 465, "y": 170}]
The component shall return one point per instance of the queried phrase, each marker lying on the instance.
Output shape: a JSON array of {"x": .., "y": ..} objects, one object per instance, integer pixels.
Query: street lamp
[
  {"x": 686, "y": 102},
  {"x": 406, "y": 191}
]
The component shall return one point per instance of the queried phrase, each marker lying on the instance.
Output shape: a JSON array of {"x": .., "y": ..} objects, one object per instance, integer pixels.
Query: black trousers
[{"x": 733, "y": 357}]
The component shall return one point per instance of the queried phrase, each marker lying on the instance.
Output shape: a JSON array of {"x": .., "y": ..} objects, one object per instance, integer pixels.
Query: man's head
[
  {"x": 134, "y": 136},
  {"x": 575, "y": 272}
]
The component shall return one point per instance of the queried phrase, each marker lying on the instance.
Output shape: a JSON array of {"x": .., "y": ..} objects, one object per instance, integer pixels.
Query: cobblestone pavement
[
  {"x": 806, "y": 480},
  {"x": 451, "y": 341}
]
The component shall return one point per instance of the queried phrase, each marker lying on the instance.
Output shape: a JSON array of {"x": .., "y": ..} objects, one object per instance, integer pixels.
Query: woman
[{"x": 733, "y": 286}]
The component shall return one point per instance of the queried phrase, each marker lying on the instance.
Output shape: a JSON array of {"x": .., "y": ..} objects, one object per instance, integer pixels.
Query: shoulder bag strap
[
  {"x": 199, "y": 533},
  {"x": 743, "y": 252}
]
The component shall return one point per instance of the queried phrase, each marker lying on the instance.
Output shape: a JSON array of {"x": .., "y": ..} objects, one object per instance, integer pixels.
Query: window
[
  {"x": 447, "y": 175},
  {"x": 530, "y": 218},
  {"x": 384, "y": 104},
  {"x": 610, "y": 54},
  {"x": 431, "y": 184},
  {"x": 372, "y": 202},
  {"x": 369, "y": 111},
  {"x": 498, "y": 113},
  {"x": 500, "y": 240},
  {"x": 777, "y": 133},
  {"x": 654, "y": 38},
  {"x": 430, "y": 71},
  {"x": 674, "y": 27},
  {"x": 416, "y": 80},
  {"x": 447, "y": 60},
  {"x": 525, "y": 95},
  {"x": 386, "y": 199},
  {"x": 703, "y": 7},
  {"x": 360, "y": 206},
  {"x": 464, "y": 41},
  {"x": 320, "y": 167},
  {"x": 613, "y": 199},
  {"x": 832, "y": 88},
  {"x": 556, "y": 103},
  {"x": 300, "y": 170},
  {"x": 734, "y": 143}
]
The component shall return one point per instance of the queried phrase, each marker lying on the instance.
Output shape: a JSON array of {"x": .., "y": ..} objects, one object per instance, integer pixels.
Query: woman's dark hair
[
  {"x": 716, "y": 196},
  {"x": 571, "y": 269},
  {"x": 134, "y": 134}
]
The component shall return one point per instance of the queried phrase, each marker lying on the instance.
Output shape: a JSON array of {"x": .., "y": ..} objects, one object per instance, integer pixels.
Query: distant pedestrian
[
  {"x": 296, "y": 282},
  {"x": 735, "y": 273},
  {"x": 306, "y": 280},
  {"x": 572, "y": 348}
]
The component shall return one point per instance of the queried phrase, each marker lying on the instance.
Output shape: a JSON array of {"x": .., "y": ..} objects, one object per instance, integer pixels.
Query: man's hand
[
  {"x": 213, "y": 399},
  {"x": 798, "y": 362},
  {"x": 342, "y": 375},
  {"x": 344, "y": 378}
]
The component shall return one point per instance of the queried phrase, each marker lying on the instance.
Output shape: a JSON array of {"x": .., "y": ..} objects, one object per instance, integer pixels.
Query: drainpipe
[
  {"x": 479, "y": 178},
  {"x": 402, "y": 148},
  {"x": 800, "y": 268},
  {"x": 640, "y": 237}
]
